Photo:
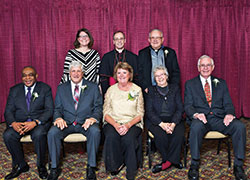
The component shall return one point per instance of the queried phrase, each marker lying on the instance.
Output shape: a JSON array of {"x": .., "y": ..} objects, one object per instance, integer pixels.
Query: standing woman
[
  {"x": 123, "y": 112},
  {"x": 164, "y": 119},
  {"x": 84, "y": 54}
]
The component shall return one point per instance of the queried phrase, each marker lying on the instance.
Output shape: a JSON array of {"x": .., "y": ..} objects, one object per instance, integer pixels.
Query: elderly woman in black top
[{"x": 164, "y": 119}]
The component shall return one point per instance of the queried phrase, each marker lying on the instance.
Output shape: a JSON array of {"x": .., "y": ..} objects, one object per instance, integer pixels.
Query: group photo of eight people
[{"x": 114, "y": 97}]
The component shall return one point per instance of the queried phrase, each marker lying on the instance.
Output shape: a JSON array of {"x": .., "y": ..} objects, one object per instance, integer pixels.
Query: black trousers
[
  {"x": 122, "y": 149},
  {"x": 169, "y": 145},
  {"x": 39, "y": 138},
  {"x": 236, "y": 130}
]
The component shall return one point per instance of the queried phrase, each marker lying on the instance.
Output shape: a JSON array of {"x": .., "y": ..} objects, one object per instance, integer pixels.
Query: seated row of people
[{"x": 79, "y": 108}]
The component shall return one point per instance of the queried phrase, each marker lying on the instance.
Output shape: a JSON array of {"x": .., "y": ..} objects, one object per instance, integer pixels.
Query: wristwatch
[{"x": 37, "y": 122}]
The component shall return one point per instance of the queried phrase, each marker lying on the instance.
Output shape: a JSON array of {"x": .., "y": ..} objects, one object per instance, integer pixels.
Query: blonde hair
[{"x": 125, "y": 66}]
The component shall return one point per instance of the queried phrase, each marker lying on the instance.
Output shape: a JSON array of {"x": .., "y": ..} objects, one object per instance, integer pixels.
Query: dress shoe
[
  {"x": 42, "y": 171},
  {"x": 178, "y": 166},
  {"x": 114, "y": 173},
  {"x": 54, "y": 173},
  {"x": 193, "y": 173},
  {"x": 157, "y": 168},
  {"x": 16, "y": 171},
  {"x": 239, "y": 173},
  {"x": 91, "y": 173}
]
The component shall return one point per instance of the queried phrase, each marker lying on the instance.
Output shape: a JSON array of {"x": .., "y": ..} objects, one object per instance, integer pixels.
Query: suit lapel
[
  {"x": 23, "y": 98},
  {"x": 37, "y": 90},
  {"x": 82, "y": 93},
  {"x": 69, "y": 95},
  {"x": 200, "y": 89},
  {"x": 213, "y": 90},
  {"x": 165, "y": 55}
]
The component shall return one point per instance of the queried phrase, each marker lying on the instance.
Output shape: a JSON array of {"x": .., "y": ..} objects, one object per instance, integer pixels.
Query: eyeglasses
[
  {"x": 160, "y": 75},
  {"x": 84, "y": 36},
  {"x": 119, "y": 39},
  {"x": 205, "y": 65},
  {"x": 155, "y": 38}
]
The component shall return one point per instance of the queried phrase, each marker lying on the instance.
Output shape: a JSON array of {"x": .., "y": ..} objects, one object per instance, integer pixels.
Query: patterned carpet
[{"x": 212, "y": 166}]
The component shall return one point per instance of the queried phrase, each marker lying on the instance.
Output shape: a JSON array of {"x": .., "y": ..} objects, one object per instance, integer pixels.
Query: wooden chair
[
  {"x": 71, "y": 138},
  {"x": 26, "y": 139},
  {"x": 214, "y": 135},
  {"x": 74, "y": 138}
]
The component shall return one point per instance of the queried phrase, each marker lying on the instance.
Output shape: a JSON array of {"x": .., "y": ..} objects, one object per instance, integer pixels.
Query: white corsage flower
[
  {"x": 216, "y": 81},
  {"x": 132, "y": 95},
  {"x": 83, "y": 88},
  {"x": 166, "y": 52},
  {"x": 35, "y": 95}
]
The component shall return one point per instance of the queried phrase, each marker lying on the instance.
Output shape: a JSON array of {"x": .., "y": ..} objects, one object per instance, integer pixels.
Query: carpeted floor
[{"x": 212, "y": 166}]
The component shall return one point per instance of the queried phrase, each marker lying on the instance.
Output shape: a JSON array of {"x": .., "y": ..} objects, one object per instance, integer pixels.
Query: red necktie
[{"x": 208, "y": 93}]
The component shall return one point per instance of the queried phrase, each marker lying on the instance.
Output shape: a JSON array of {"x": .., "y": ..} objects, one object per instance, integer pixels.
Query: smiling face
[
  {"x": 76, "y": 74},
  {"x": 29, "y": 76},
  {"x": 156, "y": 39},
  {"x": 123, "y": 76},
  {"x": 205, "y": 67},
  {"x": 119, "y": 41},
  {"x": 83, "y": 39},
  {"x": 161, "y": 78}
]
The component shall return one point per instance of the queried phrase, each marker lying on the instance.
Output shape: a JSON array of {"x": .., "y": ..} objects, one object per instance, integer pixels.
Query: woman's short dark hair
[
  {"x": 125, "y": 66},
  {"x": 91, "y": 40}
]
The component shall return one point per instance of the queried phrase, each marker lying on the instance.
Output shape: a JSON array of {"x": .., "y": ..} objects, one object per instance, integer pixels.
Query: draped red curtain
[{"x": 40, "y": 32}]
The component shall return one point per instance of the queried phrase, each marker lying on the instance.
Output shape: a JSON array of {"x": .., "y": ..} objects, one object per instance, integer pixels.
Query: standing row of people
[
  {"x": 78, "y": 108},
  {"x": 101, "y": 71}
]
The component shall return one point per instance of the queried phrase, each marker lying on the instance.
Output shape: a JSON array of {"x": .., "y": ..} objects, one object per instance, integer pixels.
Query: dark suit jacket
[
  {"x": 145, "y": 67},
  {"x": 108, "y": 64},
  {"x": 195, "y": 99},
  {"x": 41, "y": 108},
  {"x": 154, "y": 105},
  {"x": 90, "y": 103}
]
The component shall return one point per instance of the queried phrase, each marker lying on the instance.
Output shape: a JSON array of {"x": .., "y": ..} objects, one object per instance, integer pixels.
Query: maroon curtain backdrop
[{"x": 40, "y": 32}]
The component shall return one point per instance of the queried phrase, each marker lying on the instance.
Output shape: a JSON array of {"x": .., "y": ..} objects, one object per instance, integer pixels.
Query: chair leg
[
  {"x": 83, "y": 147},
  {"x": 49, "y": 162},
  {"x": 185, "y": 152},
  {"x": 218, "y": 148},
  {"x": 149, "y": 152},
  {"x": 228, "y": 153},
  {"x": 63, "y": 149}
]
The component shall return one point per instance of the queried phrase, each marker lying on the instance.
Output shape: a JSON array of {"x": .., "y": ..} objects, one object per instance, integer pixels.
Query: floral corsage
[
  {"x": 83, "y": 88},
  {"x": 35, "y": 95},
  {"x": 166, "y": 52},
  {"x": 216, "y": 81},
  {"x": 132, "y": 95}
]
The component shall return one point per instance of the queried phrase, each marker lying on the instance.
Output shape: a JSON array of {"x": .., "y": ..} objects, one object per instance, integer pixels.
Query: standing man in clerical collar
[
  {"x": 154, "y": 55},
  {"x": 110, "y": 59}
]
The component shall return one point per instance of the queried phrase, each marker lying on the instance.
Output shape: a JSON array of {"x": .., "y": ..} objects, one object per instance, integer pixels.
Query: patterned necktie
[
  {"x": 208, "y": 93},
  {"x": 76, "y": 96}
]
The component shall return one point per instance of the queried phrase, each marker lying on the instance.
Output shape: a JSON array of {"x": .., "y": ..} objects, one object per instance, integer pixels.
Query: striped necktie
[{"x": 76, "y": 96}]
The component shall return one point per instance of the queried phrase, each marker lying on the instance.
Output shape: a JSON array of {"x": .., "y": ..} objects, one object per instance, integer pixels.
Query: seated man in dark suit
[
  {"x": 78, "y": 108},
  {"x": 28, "y": 110},
  {"x": 208, "y": 106}
]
